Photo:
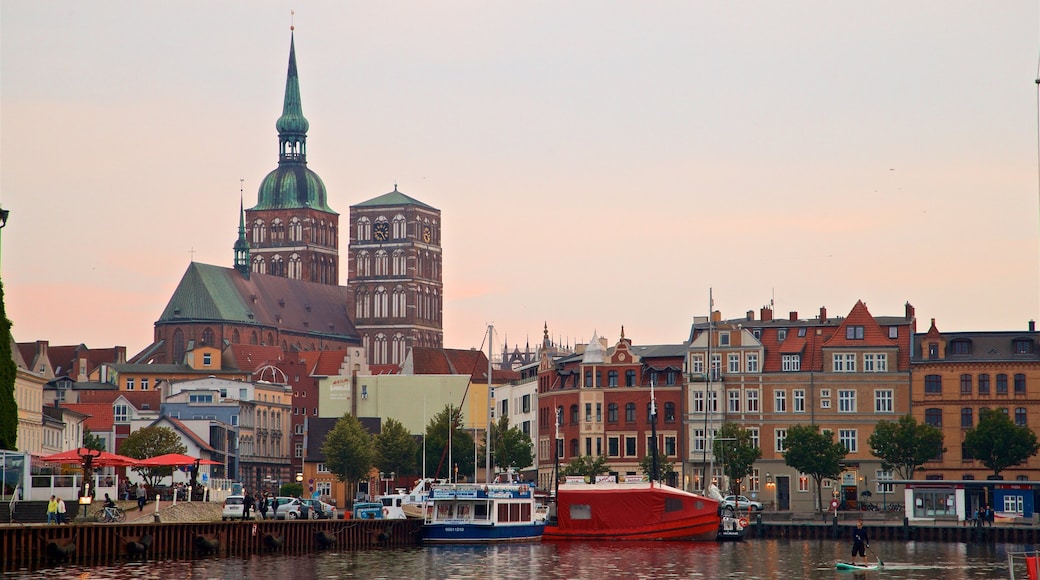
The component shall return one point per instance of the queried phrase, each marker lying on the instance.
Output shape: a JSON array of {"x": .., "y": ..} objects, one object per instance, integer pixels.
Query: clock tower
[{"x": 396, "y": 283}]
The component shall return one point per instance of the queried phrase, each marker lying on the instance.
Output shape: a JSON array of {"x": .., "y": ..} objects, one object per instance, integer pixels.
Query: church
[{"x": 284, "y": 286}]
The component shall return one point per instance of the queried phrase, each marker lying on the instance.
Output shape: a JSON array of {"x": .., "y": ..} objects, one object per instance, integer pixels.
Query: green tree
[
  {"x": 150, "y": 442},
  {"x": 735, "y": 448},
  {"x": 349, "y": 451},
  {"x": 905, "y": 445},
  {"x": 291, "y": 490},
  {"x": 510, "y": 447},
  {"x": 437, "y": 444},
  {"x": 665, "y": 468},
  {"x": 998, "y": 443},
  {"x": 587, "y": 466},
  {"x": 8, "y": 372},
  {"x": 396, "y": 449},
  {"x": 814, "y": 453},
  {"x": 92, "y": 441}
]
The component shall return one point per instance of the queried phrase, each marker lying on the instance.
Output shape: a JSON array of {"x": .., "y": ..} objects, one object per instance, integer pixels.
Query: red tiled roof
[
  {"x": 329, "y": 363},
  {"x": 873, "y": 335},
  {"x": 180, "y": 426},
  {"x": 793, "y": 345},
  {"x": 251, "y": 357},
  {"x": 136, "y": 398},
  {"x": 384, "y": 369},
  {"x": 99, "y": 415}
]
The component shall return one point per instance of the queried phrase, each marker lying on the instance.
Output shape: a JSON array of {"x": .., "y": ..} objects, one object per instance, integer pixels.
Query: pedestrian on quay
[
  {"x": 122, "y": 490},
  {"x": 274, "y": 508},
  {"x": 990, "y": 515},
  {"x": 263, "y": 506},
  {"x": 860, "y": 542},
  {"x": 247, "y": 504},
  {"x": 141, "y": 497},
  {"x": 52, "y": 511},
  {"x": 61, "y": 512}
]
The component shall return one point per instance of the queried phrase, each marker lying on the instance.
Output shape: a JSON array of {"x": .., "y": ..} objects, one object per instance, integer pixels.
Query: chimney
[
  {"x": 910, "y": 311},
  {"x": 120, "y": 355},
  {"x": 823, "y": 314},
  {"x": 41, "y": 348},
  {"x": 1032, "y": 326},
  {"x": 716, "y": 316},
  {"x": 794, "y": 316},
  {"x": 766, "y": 314},
  {"x": 750, "y": 315}
]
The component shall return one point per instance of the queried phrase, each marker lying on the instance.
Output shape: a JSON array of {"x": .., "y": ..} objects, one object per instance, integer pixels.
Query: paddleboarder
[{"x": 860, "y": 542}]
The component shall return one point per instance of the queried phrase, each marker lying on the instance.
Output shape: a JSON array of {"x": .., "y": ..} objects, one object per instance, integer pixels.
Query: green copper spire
[{"x": 292, "y": 185}]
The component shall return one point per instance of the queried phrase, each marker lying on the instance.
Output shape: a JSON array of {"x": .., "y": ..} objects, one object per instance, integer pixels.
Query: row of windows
[
  {"x": 321, "y": 233},
  {"x": 871, "y": 362},
  {"x": 381, "y": 304},
  {"x": 396, "y": 229},
  {"x": 964, "y": 346},
  {"x": 933, "y": 384},
  {"x": 933, "y": 416},
  {"x": 322, "y": 268},
  {"x": 847, "y": 437},
  {"x": 612, "y": 413},
  {"x": 884, "y": 401},
  {"x": 622, "y": 446}
]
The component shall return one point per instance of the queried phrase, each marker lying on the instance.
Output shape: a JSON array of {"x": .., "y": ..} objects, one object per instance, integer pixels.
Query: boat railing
[{"x": 1024, "y": 564}]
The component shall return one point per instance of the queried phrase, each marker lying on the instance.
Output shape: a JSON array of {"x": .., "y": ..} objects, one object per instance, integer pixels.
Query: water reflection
[{"x": 750, "y": 559}]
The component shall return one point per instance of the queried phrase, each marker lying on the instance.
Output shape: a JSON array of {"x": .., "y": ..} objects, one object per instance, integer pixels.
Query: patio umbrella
[
  {"x": 98, "y": 458},
  {"x": 174, "y": 460}
]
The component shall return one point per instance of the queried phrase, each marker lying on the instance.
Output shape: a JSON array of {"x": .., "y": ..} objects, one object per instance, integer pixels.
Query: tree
[
  {"x": 905, "y": 445},
  {"x": 150, "y": 442},
  {"x": 349, "y": 450},
  {"x": 586, "y": 466},
  {"x": 437, "y": 444},
  {"x": 92, "y": 441},
  {"x": 510, "y": 447},
  {"x": 8, "y": 372},
  {"x": 998, "y": 443},
  {"x": 814, "y": 453},
  {"x": 291, "y": 490},
  {"x": 665, "y": 468},
  {"x": 735, "y": 448},
  {"x": 395, "y": 449}
]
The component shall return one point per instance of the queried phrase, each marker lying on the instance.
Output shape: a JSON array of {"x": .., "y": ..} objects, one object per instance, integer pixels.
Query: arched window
[
  {"x": 334, "y": 232},
  {"x": 436, "y": 307},
  {"x": 574, "y": 414},
  {"x": 178, "y": 347},
  {"x": 933, "y": 417},
  {"x": 574, "y": 448},
  {"x": 363, "y": 266},
  {"x": 967, "y": 421},
  {"x": 363, "y": 307},
  {"x": 400, "y": 263},
  {"x": 277, "y": 230},
  {"x": 259, "y": 265},
  {"x": 295, "y": 230},
  {"x": 295, "y": 267},
  {"x": 379, "y": 352},
  {"x": 381, "y": 263},
  {"x": 207, "y": 336},
  {"x": 630, "y": 412},
  {"x": 259, "y": 232},
  {"x": 612, "y": 378},
  {"x": 612, "y": 413},
  {"x": 1020, "y": 416},
  {"x": 630, "y": 378},
  {"x": 379, "y": 309},
  {"x": 400, "y": 227},
  {"x": 235, "y": 338},
  {"x": 270, "y": 339},
  {"x": 364, "y": 229},
  {"x": 399, "y": 303},
  {"x": 398, "y": 349},
  {"x": 254, "y": 338}
]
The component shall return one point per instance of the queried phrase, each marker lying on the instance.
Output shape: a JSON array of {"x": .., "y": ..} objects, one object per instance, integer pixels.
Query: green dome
[{"x": 292, "y": 186}]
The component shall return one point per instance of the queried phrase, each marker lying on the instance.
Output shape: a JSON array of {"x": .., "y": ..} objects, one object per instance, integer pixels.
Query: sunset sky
[{"x": 597, "y": 163}]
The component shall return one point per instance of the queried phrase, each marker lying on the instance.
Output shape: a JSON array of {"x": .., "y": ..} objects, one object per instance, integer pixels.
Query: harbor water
[{"x": 773, "y": 558}]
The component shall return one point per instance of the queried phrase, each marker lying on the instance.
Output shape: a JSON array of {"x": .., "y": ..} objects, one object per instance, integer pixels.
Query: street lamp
[{"x": 771, "y": 486}]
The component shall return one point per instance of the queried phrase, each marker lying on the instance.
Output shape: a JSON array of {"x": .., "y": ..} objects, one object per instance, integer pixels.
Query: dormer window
[
  {"x": 1023, "y": 346},
  {"x": 854, "y": 332},
  {"x": 781, "y": 334},
  {"x": 723, "y": 339},
  {"x": 961, "y": 347}
]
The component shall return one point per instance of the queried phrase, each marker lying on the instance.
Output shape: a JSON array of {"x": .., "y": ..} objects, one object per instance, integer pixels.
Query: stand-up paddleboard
[{"x": 851, "y": 566}]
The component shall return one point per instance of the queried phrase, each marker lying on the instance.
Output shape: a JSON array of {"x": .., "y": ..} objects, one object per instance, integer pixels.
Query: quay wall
[{"x": 33, "y": 546}]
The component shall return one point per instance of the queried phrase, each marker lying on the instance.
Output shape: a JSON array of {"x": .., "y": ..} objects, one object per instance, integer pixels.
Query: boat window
[
  {"x": 581, "y": 512},
  {"x": 480, "y": 511},
  {"x": 672, "y": 504}
]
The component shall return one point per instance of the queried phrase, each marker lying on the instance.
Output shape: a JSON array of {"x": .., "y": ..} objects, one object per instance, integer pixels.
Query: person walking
[
  {"x": 247, "y": 504},
  {"x": 263, "y": 506},
  {"x": 990, "y": 515},
  {"x": 52, "y": 511},
  {"x": 141, "y": 497},
  {"x": 860, "y": 542},
  {"x": 61, "y": 512}
]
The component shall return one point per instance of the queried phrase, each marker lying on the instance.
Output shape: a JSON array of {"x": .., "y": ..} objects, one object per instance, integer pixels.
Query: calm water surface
[{"x": 751, "y": 559}]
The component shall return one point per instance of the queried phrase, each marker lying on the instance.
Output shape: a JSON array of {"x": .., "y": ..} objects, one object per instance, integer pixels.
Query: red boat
[{"x": 631, "y": 511}]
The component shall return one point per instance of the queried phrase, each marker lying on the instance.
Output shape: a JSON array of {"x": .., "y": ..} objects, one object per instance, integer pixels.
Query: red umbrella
[
  {"x": 174, "y": 460},
  {"x": 99, "y": 458}
]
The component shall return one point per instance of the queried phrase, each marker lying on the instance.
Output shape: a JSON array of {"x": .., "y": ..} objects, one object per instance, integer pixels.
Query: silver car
[
  {"x": 234, "y": 507},
  {"x": 288, "y": 508}
]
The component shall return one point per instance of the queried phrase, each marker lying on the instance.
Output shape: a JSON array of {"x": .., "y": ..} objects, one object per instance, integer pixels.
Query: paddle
[{"x": 880, "y": 563}]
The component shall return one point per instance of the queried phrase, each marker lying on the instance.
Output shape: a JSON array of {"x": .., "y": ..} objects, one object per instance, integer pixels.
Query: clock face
[
  {"x": 381, "y": 231},
  {"x": 426, "y": 234}
]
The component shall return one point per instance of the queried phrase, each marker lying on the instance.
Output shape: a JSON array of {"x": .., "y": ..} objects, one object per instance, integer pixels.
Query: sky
[{"x": 597, "y": 163}]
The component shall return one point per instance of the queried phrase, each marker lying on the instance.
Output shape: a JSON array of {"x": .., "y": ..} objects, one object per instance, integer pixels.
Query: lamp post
[{"x": 772, "y": 487}]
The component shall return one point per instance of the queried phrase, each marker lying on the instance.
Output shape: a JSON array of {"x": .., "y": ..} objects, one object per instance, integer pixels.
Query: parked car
[
  {"x": 740, "y": 503},
  {"x": 234, "y": 506},
  {"x": 319, "y": 510},
  {"x": 289, "y": 508}
]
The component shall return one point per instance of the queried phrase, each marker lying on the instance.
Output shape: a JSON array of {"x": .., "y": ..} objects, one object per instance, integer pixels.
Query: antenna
[{"x": 292, "y": 20}]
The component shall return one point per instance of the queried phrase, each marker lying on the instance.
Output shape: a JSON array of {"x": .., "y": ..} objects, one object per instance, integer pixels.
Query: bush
[{"x": 291, "y": 490}]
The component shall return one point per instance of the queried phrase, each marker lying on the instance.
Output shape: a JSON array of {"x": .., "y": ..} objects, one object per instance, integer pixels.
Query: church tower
[
  {"x": 292, "y": 232},
  {"x": 394, "y": 264}
]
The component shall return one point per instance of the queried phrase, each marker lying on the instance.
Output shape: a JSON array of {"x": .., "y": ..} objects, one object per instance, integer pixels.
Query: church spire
[
  {"x": 292, "y": 125},
  {"x": 241, "y": 244}
]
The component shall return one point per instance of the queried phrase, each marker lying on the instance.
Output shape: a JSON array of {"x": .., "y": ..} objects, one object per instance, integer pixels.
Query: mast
[
  {"x": 490, "y": 410},
  {"x": 709, "y": 365},
  {"x": 654, "y": 474}
]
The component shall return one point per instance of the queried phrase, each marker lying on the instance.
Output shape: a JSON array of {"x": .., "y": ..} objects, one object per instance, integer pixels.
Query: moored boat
[
  {"x": 639, "y": 510},
  {"x": 468, "y": 513},
  {"x": 732, "y": 529}
]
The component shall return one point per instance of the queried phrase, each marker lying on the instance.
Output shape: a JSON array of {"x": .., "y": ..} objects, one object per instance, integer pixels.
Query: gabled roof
[
  {"x": 447, "y": 361},
  {"x": 873, "y": 335},
  {"x": 141, "y": 400},
  {"x": 323, "y": 363},
  {"x": 394, "y": 198},
  {"x": 213, "y": 293},
  {"x": 178, "y": 425}
]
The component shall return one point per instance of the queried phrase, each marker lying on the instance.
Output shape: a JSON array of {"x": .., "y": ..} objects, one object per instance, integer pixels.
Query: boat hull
[
  {"x": 465, "y": 533},
  {"x": 850, "y": 566},
  {"x": 626, "y": 512}
]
